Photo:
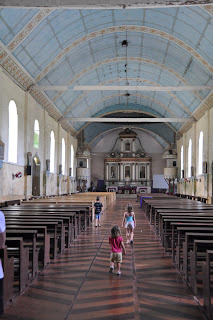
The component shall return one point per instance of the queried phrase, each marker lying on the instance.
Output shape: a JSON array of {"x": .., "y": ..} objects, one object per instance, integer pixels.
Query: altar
[
  {"x": 128, "y": 166},
  {"x": 127, "y": 190}
]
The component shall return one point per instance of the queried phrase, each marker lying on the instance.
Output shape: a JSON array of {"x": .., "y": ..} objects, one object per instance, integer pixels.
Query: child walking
[
  {"x": 98, "y": 209},
  {"x": 117, "y": 246},
  {"x": 130, "y": 223}
]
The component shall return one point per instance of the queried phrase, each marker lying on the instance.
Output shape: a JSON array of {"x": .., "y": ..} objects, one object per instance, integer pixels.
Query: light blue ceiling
[{"x": 166, "y": 47}]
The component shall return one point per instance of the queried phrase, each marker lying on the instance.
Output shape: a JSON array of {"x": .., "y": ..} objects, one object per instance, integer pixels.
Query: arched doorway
[{"x": 36, "y": 176}]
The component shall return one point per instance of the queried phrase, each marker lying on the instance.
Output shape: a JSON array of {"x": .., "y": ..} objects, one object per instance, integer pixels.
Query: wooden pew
[
  {"x": 51, "y": 230},
  {"x": 198, "y": 254},
  {"x": 67, "y": 222},
  {"x": 207, "y": 272},
  {"x": 176, "y": 208},
  {"x": 42, "y": 241},
  {"x": 181, "y": 226},
  {"x": 188, "y": 245},
  {"x": 8, "y": 267},
  {"x": 172, "y": 227},
  {"x": 81, "y": 212},
  {"x": 166, "y": 220},
  {"x": 181, "y": 231},
  {"x": 15, "y": 248},
  {"x": 29, "y": 240},
  {"x": 181, "y": 212},
  {"x": 60, "y": 233},
  {"x": 74, "y": 214}
]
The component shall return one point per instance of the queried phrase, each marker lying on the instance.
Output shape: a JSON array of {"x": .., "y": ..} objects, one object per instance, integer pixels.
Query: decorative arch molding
[
  {"x": 129, "y": 79},
  {"x": 208, "y": 8},
  {"x": 31, "y": 25},
  {"x": 124, "y": 28},
  {"x": 150, "y": 133},
  {"x": 132, "y": 59}
]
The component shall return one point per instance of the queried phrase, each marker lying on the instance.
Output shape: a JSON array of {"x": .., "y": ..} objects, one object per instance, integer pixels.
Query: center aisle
[{"x": 78, "y": 286}]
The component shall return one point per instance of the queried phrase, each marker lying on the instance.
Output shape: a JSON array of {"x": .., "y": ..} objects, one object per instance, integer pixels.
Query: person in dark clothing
[{"x": 98, "y": 209}]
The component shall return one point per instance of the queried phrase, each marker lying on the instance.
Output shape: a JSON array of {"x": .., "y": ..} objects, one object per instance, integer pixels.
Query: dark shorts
[{"x": 97, "y": 216}]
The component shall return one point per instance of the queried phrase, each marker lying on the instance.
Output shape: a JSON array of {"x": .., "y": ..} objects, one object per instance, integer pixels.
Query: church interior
[{"x": 108, "y": 100}]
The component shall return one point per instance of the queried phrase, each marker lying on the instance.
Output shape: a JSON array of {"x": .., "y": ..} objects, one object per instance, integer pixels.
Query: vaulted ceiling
[{"x": 49, "y": 51}]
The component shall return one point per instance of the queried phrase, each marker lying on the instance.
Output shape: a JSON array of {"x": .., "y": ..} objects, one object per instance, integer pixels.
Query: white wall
[
  {"x": 199, "y": 185},
  {"x": 28, "y": 111}
]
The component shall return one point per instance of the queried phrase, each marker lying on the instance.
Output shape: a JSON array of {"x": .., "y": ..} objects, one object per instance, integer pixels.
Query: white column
[
  {"x": 133, "y": 171},
  {"x": 136, "y": 171},
  {"x": 122, "y": 145},
  {"x": 106, "y": 171},
  {"x": 148, "y": 171},
  {"x": 121, "y": 171},
  {"x": 133, "y": 147}
]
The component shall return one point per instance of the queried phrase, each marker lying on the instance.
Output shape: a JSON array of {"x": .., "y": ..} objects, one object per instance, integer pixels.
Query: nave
[{"x": 78, "y": 286}]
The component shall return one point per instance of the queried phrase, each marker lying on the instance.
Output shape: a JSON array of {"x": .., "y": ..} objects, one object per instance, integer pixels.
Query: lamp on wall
[{"x": 1, "y": 153}]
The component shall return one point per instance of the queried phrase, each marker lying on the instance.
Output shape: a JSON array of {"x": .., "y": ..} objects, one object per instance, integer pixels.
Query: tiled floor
[{"x": 77, "y": 285}]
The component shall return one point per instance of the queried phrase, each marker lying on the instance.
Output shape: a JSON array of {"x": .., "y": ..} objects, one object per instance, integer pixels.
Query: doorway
[{"x": 36, "y": 176}]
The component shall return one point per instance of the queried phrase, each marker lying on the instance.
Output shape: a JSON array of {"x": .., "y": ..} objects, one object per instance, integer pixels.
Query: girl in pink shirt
[{"x": 117, "y": 246}]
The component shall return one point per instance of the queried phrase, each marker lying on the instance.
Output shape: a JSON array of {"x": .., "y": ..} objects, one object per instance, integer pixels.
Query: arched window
[
  {"x": 13, "y": 132},
  {"x": 181, "y": 162},
  {"x": 189, "y": 158},
  {"x": 52, "y": 151},
  {"x": 72, "y": 160},
  {"x": 63, "y": 155},
  {"x": 200, "y": 154},
  {"x": 36, "y": 134}
]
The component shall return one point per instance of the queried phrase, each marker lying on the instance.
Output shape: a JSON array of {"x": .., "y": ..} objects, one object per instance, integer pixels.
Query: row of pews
[
  {"x": 37, "y": 231},
  {"x": 192, "y": 197},
  {"x": 185, "y": 228}
]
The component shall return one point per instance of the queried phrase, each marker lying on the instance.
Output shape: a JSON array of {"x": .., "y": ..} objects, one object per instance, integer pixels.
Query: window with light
[
  {"x": 189, "y": 158},
  {"x": 181, "y": 162},
  {"x": 72, "y": 159},
  {"x": 13, "y": 132},
  {"x": 63, "y": 155},
  {"x": 200, "y": 154},
  {"x": 36, "y": 134},
  {"x": 52, "y": 151}
]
